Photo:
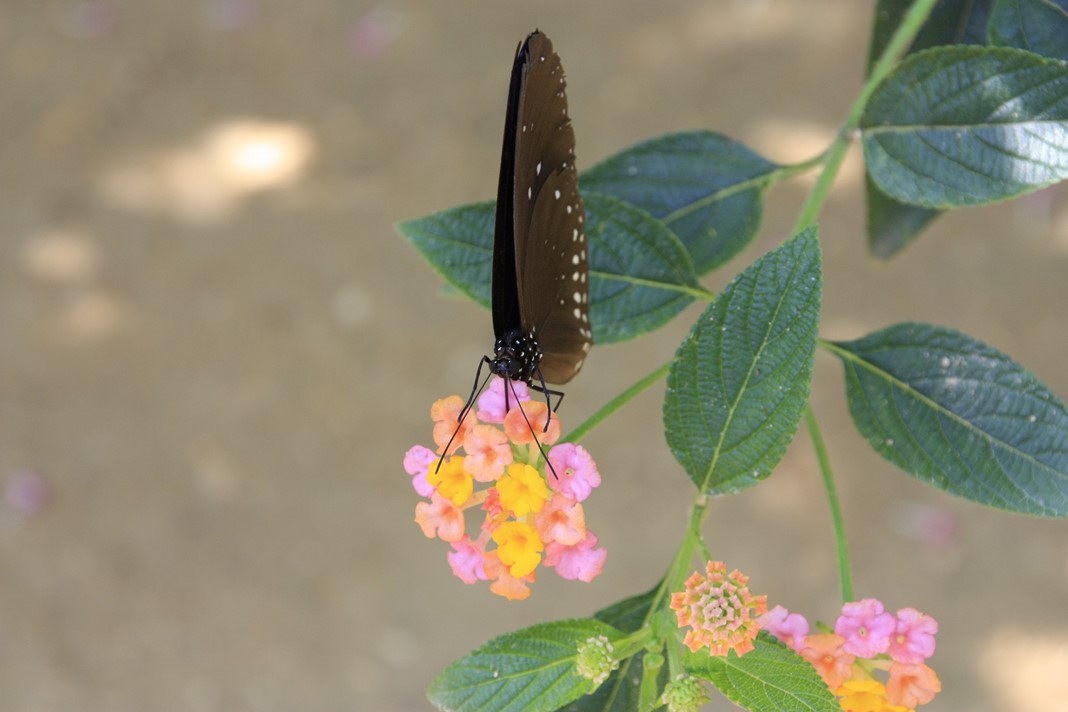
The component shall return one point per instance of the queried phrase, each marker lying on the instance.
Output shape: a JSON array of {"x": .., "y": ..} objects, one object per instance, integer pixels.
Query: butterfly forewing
[
  {"x": 505, "y": 291},
  {"x": 549, "y": 238}
]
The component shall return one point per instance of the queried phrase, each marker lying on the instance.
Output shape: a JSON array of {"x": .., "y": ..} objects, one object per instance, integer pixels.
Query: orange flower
[
  {"x": 525, "y": 422},
  {"x": 514, "y": 588},
  {"x": 912, "y": 684},
  {"x": 445, "y": 413},
  {"x": 440, "y": 517},
  {"x": 720, "y": 610},
  {"x": 825, "y": 653}
]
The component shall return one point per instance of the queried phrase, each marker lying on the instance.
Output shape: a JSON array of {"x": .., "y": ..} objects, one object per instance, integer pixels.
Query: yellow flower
[
  {"x": 865, "y": 696},
  {"x": 519, "y": 547},
  {"x": 522, "y": 489},
  {"x": 452, "y": 481}
]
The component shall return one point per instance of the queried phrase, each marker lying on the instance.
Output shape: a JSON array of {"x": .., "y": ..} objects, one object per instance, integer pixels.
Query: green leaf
[
  {"x": 529, "y": 669},
  {"x": 706, "y": 187},
  {"x": 951, "y": 22},
  {"x": 957, "y": 126},
  {"x": 893, "y": 224},
  {"x": 619, "y": 693},
  {"x": 458, "y": 243},
  {"x": 771, "y": 678},
  {"x": 1039, "y": 26},
  {"x": 959, "y": 415},
  {"x": 739, "y": 382},
  {"x": 640, "y": 275}
]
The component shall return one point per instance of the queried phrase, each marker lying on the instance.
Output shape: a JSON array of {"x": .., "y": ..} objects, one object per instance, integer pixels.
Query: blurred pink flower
[
  {"x": 914, "y": 637},
  {"x": 866, "y": 627},
  {"x": 580, "y": 561},
  {"x": 790, "y": 628},
  {"x": 576, "y": 470}
]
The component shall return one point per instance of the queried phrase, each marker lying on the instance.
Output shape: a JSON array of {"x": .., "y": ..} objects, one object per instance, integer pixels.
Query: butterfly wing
[
  {"x": 505, "y": 284},
  {"x": 549, "y": 237}
]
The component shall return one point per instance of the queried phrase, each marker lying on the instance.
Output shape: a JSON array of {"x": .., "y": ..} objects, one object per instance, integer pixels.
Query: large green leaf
[
  {"x": 893, "y": 224},
  {"x": 705, "y": 186},
  {"x": 957, "y": 126},
  {"x": 530, "y": 669},
  {"x": 769, "y": 678},
  {"x": 951, "y": 22},
  {"x": 640, "y": 274},
  {"x": 960, "y": 416},
  {"x": 1039, "y": 26},
  {"x": 619, "y": 693},
  {"x": 739, "y": 381},
  {"x": 458, "y": 243}
]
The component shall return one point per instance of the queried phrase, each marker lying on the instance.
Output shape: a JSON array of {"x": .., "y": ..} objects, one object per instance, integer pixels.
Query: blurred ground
[{"x": 214, "y": 349}]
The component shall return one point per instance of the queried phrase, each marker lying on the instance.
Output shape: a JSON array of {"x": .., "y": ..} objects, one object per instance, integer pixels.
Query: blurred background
[{"x": 215, "y": 349}]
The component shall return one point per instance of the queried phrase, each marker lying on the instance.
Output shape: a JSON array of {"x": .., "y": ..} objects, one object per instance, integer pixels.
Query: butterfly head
[{"x": 516, "y": 356}]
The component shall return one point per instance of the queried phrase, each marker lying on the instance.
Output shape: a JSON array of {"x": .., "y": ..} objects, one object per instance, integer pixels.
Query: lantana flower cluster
[
  {"x": 720, "y": 610},
  {"x": 529, "y": 517},
  {"x": 867, "y": 641}
]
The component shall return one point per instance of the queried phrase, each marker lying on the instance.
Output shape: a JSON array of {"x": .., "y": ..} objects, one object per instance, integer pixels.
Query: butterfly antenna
[
  {"x": 532, "y": 433},
  {"x": 476, "y": 391}
]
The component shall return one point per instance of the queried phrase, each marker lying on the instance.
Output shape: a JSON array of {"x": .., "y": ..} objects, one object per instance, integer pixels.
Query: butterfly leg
[{"x": 548, "y": 393}]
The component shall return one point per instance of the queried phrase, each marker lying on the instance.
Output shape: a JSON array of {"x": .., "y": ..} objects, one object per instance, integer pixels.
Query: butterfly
[{"x": 540, "y": 259}]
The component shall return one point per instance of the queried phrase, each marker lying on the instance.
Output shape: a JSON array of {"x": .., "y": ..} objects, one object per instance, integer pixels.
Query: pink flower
[
  {"x": 914, "y": 638},
  {"x": 488, "y": 452},
  {"x": 441, "y": 518},
  {"x": 580, "y": 561},
  {"x": 866, "y": 627},
  {"x": 790, "y": 628},
  {"x": 576, "y": 470},
  {"x": 466, "y": 560},
  {"x": 561, "y": 520},
  {"x": 491, "y": 403},
  {"x": 825, "y": 653},
  {"x": 912, "y": 685},
  {"x": 417, "y": 461}
]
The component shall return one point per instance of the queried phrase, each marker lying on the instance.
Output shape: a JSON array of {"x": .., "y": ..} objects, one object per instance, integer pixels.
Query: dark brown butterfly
[{"x": 540, "y": 274}]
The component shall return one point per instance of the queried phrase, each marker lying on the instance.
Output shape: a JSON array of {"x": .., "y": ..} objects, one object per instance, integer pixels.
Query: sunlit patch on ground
[
  {"x": 92, "y": 314},
  {"x": 206, "y": 180},
  {"x": 1026, "y": 671},
  {"x": 60, "y": 254},
  {"x": 792, "y": 142}
]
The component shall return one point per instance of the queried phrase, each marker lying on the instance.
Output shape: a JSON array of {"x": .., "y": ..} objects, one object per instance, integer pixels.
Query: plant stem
[
  {"x": 897, "y": 45},
  {"x": 845, "y": 575},
  {"x": 615, "y": 404}
]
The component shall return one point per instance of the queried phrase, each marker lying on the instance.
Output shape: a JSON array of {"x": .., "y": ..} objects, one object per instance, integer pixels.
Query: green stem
[
  {"x": 898, "y": 44},
  {"x": 615, "y": 404},
  {"x": 910, "y": 25},
  {"x": 845, "y": 575}
]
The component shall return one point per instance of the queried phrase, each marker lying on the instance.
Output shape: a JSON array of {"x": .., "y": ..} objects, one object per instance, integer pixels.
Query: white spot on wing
[
  {"x": 537, "y": 171},
  {"x": 557, "y": 195}
]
